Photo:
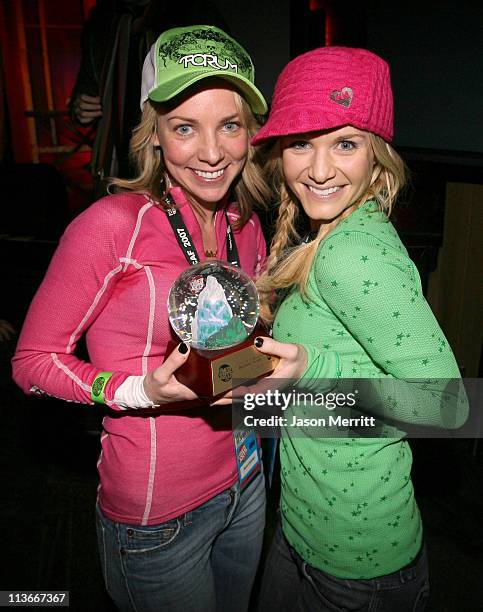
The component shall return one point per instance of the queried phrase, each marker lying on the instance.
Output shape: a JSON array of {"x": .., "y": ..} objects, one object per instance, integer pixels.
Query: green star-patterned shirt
[{"x": 348, "y": 504}]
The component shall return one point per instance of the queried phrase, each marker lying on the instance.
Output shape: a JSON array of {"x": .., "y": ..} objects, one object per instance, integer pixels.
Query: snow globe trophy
[{"x": 213, "y": 306}]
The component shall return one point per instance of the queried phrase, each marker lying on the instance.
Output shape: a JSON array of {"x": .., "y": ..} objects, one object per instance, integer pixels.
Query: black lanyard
[{"x": 184, "y": 238}]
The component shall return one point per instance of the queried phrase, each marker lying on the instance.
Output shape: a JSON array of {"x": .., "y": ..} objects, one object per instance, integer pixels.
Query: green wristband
[{"x": 98, "y": 386}]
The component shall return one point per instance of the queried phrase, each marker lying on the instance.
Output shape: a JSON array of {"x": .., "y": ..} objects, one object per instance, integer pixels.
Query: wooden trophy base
[{"x": 211, "y": 373}]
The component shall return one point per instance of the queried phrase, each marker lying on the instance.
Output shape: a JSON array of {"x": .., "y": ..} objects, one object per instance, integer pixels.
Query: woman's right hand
[
  {"x": 290, "y": 363},
  {"x": 292, "y": 358},
  {"x": 161, "y": 385}
]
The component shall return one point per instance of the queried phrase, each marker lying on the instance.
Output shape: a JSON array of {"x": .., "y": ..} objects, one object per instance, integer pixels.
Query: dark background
[{"x": 48, "y": 449}]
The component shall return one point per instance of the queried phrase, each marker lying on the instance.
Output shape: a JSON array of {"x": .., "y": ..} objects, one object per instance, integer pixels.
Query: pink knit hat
[{"x": 328, "y": 88}]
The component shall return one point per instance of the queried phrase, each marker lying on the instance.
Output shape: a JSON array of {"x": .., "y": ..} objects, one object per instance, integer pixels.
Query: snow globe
[{"x": 213, "y": 306}]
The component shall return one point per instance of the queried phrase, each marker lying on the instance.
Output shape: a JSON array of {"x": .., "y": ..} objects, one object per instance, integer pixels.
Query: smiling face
[
  {"x": 328, "y": 171},
  {"x": 204, "y": 143}
]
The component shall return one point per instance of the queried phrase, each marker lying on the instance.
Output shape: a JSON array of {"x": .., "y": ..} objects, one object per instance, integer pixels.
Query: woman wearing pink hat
[{"x": 351, "y": 534}]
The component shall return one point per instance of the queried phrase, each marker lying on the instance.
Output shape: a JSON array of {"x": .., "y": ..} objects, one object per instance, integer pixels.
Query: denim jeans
[
  {"x": 290, "y": 584},
  {"x": 202, "y": 561}
]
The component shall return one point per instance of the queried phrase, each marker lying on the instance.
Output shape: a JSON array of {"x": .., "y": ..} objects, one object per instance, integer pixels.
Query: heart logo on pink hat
[{"x": 342, "y": 96}]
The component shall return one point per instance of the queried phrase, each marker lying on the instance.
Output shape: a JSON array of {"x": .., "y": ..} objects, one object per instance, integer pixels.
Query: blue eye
[
  {"x": 231, "y": 126},
  {"x": 183, "y": 130},
  {"x": 299, "y": 145},
  {"x": 346, "y": 145}
]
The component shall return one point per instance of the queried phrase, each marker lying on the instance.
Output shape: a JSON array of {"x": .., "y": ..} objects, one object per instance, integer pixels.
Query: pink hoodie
[{"x": 109, "y": 279}]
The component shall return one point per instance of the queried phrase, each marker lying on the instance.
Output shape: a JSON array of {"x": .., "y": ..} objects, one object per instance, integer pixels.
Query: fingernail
[
  {"x": 183, "y": 348},
  {"x": 258, "y": 342}
]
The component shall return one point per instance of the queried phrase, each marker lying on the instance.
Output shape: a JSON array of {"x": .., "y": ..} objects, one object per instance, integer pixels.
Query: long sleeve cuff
[
  {"x": 321, "y": 364},
  {"x": 131, "y": 394}
]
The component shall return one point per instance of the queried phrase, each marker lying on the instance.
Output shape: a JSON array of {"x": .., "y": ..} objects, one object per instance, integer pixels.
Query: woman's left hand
[{"x": 292, "y": 362}]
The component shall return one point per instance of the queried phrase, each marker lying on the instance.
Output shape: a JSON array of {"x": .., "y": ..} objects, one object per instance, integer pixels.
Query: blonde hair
[
  {"x": 290, "y": 262},
  {"x": 248, "y": 189}
]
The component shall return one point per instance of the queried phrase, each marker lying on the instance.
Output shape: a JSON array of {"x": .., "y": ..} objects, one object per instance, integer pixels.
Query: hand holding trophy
[{"x": 214, "y": 306}]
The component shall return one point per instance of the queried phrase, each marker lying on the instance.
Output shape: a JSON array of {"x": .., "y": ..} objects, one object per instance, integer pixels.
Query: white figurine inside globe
[{"x": 213, "y": 305}]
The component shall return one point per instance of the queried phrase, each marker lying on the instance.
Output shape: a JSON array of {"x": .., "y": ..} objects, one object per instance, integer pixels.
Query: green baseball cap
[{"x": 183, "y": 56}]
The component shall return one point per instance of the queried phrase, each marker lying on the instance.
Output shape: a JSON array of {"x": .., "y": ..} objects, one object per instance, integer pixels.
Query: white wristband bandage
[{"x": 131, "y": 394}]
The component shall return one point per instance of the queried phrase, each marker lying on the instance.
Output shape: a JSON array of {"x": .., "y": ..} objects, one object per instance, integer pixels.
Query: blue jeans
[
  {"x": 290, "y": 584},
  {"x": 202, "y": 561}
]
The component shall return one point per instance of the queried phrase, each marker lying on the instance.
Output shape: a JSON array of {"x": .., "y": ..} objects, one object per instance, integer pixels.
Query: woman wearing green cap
[{"x": 177, "y": 529}]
